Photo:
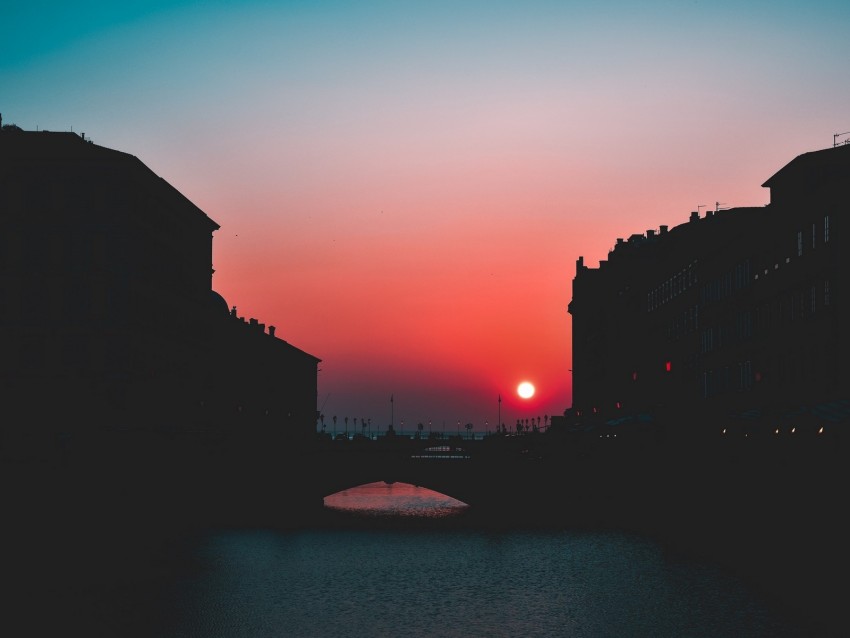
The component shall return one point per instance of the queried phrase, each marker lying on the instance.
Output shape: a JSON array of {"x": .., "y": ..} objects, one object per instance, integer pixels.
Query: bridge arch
[
  {"x": 455, "y": 478},
  {"x": 451, "y": 487}
]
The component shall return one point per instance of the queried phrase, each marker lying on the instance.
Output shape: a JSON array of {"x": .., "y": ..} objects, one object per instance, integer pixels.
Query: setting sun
[{"x": 525, "y": 390}]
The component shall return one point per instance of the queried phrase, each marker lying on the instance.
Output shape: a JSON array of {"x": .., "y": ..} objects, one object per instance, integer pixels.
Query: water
[
  {"x": 398, "y": 581},
  {"x": 460, "y": 583},
  {"x": 381, "y": 500}
]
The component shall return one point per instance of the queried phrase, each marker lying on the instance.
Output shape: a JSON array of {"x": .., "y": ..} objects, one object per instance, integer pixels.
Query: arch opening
[{"x": 396, "y": 500}]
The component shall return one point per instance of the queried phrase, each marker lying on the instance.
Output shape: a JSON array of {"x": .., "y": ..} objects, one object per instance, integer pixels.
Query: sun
[{"x": 525, "y": 390}]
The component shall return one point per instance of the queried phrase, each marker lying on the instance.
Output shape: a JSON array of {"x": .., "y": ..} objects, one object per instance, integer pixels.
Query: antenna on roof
[
  {"x": 837, "y": 135},
  {"x": 717, "y": 206},
  {"x": 698, "y": 207}
]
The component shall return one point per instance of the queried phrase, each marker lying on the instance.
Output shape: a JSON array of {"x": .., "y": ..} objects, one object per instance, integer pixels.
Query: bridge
[
  {"x": 579, "y": 478},
  {"x": 469, "y": 470},
  {"x": 632, "y": 477}
]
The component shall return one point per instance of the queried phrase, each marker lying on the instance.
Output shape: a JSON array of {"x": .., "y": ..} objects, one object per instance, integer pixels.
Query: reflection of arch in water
[
  {"x": 447, "y": 477},
  {"x": 395, "y": 499}
]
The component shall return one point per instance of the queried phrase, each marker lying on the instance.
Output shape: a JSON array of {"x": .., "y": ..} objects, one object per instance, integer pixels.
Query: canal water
[{"x": 376, "y": 578}]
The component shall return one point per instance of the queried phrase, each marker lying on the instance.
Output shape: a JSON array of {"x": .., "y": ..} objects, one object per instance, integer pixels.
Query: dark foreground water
[
  {"x": 391, "y": 583},
  {"x": 407, "y": 580}
]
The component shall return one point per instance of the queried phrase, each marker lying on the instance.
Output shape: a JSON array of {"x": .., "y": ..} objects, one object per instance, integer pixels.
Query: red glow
[{"x": 668, "y": 366}]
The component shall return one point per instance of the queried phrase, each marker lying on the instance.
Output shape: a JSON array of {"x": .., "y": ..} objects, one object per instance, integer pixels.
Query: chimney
[
  {"x": 650, "y": 234},
  {"x": 663, "y": 230},
  {"x": 694, "y": 216},
  {"x": 271, "y": 331},
  {"x": 619, "y": 241},
  {"x": 580, "y": 263},
  {"x": 253, "y": 322}
]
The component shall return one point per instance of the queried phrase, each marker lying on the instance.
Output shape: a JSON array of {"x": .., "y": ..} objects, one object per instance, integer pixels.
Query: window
[
  {"x": 814, "y": 297},
  {"x": 814, "y": 234},
  {"x": 799, "y": 243},
  {"x": 826, "y": 229},
  {"x": 746, "y": 375},
  {"x": 707, "y": 339},
  {"x": 826, "y": 292}
]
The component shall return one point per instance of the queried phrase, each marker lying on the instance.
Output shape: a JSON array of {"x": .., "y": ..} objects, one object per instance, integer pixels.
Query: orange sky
[{"x": 403, "y": 188}]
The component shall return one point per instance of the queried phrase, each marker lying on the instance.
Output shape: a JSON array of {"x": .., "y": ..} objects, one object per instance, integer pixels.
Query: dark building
[
  {"x": 109, "y": 326},
  {"x": 734, "y": 319}
]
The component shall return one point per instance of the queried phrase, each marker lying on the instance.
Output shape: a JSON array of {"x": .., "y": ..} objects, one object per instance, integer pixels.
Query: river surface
[{"x": 410, "y": 580}]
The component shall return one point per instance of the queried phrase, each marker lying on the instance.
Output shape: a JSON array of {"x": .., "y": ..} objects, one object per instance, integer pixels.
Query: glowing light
[{"x": 525, "y": 390}]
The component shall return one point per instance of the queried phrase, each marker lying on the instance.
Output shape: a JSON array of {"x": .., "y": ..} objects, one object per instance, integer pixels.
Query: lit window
[
  {"x": 799, "y": 243},
  {"x": 825, "y": 229},
  {"x": 814, "y": 234}
]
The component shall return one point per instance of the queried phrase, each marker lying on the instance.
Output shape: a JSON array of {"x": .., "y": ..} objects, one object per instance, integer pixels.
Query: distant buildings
[
  {"x": 735, "y": 319},
  {"x": 108, "y": 321}
]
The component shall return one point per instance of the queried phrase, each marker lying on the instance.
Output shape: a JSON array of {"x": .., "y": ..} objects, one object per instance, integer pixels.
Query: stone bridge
[{"x": 476, "y": 472}]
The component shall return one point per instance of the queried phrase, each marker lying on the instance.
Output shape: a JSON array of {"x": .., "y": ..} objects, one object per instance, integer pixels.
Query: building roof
[
  {"x": 828, "y": 162},
  {"x": 46, "y": 146}
]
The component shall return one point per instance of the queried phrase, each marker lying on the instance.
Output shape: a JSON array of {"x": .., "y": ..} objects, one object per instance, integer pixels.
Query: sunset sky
[{"x": 404, "y": 187}]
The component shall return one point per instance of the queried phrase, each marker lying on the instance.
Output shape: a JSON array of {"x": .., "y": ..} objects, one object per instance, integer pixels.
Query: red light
[
  {"x": 618, "y": 405},
  {"x": 634, "y": 376},
  {"x": 668, "y": 366}
]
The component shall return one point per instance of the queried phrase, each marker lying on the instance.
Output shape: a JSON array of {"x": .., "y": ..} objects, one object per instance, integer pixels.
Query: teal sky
[{"x": 404, "y": 187}]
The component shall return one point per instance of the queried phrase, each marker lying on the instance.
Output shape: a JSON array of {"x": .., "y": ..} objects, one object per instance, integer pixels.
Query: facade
[
  {"x": 734, "y": 319},
  {"x": 108, "y": 320}
]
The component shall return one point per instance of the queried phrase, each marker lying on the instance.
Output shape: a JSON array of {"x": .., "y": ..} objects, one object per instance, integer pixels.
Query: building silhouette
[
  {"x": 735, "y": 320},
  {"x": 110, "y": 330}
]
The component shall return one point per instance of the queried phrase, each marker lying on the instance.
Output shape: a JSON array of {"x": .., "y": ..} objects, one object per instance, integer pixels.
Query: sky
[{"x": 404, "y": 188}]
